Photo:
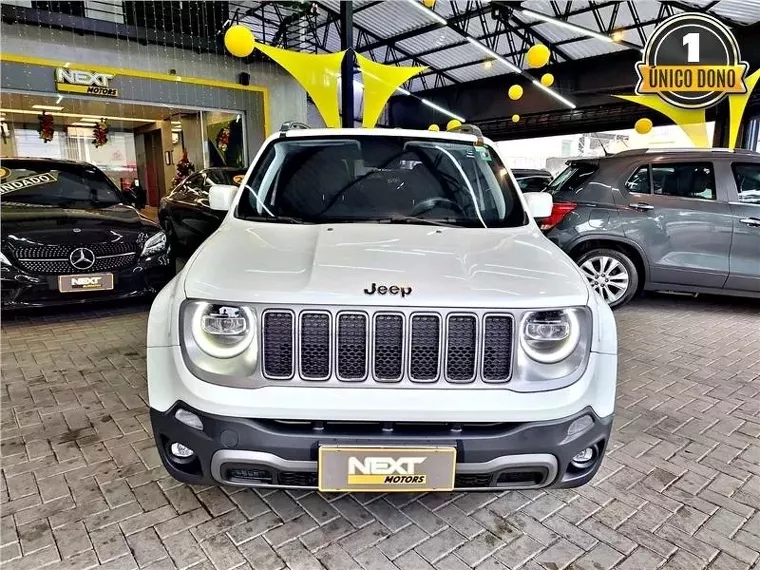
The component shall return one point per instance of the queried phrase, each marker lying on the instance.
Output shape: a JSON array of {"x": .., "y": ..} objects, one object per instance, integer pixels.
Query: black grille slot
[
  {"x": 297, "y": 478},
  {"x": 497, "y": 348},
  {"x": 425, "y": 343},
  {"x": 315, "y": 346},
  {"x": 389, "y": 347},
  {"x": 460, "y": 348},
  {"x": 474, "y": 480},
  {"x": 352, "y": 346},
  {"x": 278, "y": 344}
]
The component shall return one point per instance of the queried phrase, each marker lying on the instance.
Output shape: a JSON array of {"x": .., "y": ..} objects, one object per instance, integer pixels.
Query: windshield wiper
[
  {"x": 277, "y": 219},
  {"x": 446, "y": 222}
]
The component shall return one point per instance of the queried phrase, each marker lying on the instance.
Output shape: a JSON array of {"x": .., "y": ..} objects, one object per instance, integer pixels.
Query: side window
[
  {"x": 684, "y": 180},
  {"x": 639, "y": 181},
  {"x": 533, "y": 184},
  {"x": 747, "y": 178}
]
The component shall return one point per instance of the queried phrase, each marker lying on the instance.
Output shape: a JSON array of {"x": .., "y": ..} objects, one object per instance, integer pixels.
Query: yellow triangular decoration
[
  {"x": 380, "y": 82},
  {"x": 736, "y": 105},
  {"x": 318, "y": 74}
]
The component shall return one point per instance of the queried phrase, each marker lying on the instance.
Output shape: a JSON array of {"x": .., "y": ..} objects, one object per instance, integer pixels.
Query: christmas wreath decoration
[
  {"x": 184, "y": 169},
  {"x": 223, "y": 139},
  {"x": 100, "y": 134},
  {"x": 46, "y": 127}
]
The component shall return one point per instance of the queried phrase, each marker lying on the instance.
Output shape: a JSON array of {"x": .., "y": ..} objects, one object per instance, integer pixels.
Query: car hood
[
  {"x": 337, "y": 264},
  {"x": 22, "y": 217}
]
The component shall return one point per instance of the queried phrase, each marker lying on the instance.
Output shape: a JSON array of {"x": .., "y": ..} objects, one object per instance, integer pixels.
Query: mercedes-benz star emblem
[{"x": 82, "y": 258}]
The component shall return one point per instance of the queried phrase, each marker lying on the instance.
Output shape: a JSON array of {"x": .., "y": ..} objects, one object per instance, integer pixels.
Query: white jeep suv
[{"x": 379, "y": 311}]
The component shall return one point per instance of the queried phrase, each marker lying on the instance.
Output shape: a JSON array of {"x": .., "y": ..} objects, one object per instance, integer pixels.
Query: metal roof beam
[{"x": 686, "y": 7}]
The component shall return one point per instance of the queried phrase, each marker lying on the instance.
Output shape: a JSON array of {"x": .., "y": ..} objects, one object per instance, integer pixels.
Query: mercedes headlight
[
  {"x": 156, "y": 243},
  {"x": 219, "y": 340},
  {"x": 554, "y": 344}
]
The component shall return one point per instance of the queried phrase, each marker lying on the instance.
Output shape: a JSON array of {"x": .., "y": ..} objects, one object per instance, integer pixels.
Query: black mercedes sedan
[
  {"x": 185, "y": 214},
  {"x": 68, "y": 237}
]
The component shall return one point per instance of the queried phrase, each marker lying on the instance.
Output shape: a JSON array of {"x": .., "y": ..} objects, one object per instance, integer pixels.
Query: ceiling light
[
  {"x": 617, "y": 36},
  {"x": 442, "y": 110},
  {"x": 176, "y": 122},
  {"x": 403, "y": 91},
  {"x": 47, "y": 107},
  {"x": 124, "y": 119},
  {"x": 493, "y": 54},
  {"x": 554, "y": 94},
  {"x": 567, "y": 25},
  {"x": 430, "y": 13},
  {"x": 488, "y": 64}
]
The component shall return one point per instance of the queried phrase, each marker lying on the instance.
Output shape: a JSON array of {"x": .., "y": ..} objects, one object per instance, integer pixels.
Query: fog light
[
  {"x": 583, "y": 458},
  {"x": 180, "y": 451},
  {"x": 189, "y": 419}
]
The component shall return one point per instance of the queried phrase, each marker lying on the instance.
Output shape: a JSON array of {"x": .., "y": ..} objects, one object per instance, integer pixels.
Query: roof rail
[
  {"x": 290, "y": 125},
  {"x": 643, "y": 151},
  {"x": 469, "y": 130}
]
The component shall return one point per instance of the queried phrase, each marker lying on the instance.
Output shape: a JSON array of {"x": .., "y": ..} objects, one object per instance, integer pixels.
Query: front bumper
[
  {"x": 283, "y": 454},
  {"x": 21, "y": 289}
]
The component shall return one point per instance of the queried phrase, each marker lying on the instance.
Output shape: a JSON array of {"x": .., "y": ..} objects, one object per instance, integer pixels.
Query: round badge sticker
[
  {"x": 238, "y": 178},
  {"x": 4, "y": 173},
  {"x": 691, "y": 61}
]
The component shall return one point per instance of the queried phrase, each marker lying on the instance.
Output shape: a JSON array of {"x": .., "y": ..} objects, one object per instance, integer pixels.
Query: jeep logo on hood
[{"x": 384, "y": 290}]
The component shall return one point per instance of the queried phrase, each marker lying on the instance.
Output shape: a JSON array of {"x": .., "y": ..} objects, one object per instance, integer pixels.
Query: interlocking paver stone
[{"x": 81, "y": 485}]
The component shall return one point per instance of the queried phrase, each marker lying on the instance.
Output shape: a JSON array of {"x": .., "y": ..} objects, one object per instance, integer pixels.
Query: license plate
[
  {"x": 88, "y": 282},
  {"x": 386, "y": 469}
]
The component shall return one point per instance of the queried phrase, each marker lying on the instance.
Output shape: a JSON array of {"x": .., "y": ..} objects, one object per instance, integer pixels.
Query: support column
[{"x": 347, "y": 66}]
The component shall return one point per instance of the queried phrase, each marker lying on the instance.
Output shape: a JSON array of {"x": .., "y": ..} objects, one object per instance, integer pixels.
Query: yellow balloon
[
  {"x": 643, "y": 126},
  {"x": 453, "y": 124},
  {"x": 515, "y": 92},
  {"x": 515, "y": 118},
  {"x": 538, "y": 55},
  {"x": 239, "y": 41},
  {"x": 434, "y": 127},
  {"x": 429, "y": 3},
  {"x": 547, "y": 80}
]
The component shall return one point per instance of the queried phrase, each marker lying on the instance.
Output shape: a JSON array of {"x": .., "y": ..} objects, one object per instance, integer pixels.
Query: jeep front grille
[{"x": 387, "y": 346}]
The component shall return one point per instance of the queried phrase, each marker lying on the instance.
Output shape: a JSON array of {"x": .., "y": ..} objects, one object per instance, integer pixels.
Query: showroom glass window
[
  {"x": 366, "y": 178},
  {"x": 747, "y": 178},
  {"x": 76, "y": 187}
]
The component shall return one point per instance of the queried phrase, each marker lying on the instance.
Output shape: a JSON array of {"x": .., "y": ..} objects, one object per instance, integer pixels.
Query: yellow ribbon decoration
[
  {"x": 736, "y": 106},
  {"x": 380, "y": 82}
]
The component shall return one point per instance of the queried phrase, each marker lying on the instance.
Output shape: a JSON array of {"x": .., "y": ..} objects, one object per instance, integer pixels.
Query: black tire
[{"x": 608, "y": 283}]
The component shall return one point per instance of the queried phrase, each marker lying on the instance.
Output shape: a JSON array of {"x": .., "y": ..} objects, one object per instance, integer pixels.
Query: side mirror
[
  {"x": 539, "y": 204},
  {"x": 220, "y": 196}
]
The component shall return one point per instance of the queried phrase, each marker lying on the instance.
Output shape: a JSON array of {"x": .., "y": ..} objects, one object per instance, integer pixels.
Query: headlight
[
  {"x": 222, "y": 331},
  {"x": 554, "y": 348},
  {"x": 155, "y": 243},
  {"x": 219, "y": 341},
  {"x": 550, "y": 336}
]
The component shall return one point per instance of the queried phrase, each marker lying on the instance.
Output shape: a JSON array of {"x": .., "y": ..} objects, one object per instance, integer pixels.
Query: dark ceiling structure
[{"x": 473, "y": 49}]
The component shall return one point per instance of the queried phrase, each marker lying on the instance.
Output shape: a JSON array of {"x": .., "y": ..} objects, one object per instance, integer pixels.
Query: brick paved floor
[{"x": 82, "y": 485}]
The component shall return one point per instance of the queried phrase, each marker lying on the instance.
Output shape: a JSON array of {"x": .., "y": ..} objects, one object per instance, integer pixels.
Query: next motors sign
[{"x": 85, "y": 82}]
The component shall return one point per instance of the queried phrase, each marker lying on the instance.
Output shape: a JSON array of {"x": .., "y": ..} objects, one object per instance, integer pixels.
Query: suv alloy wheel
[{"x": 612, "y": 274}]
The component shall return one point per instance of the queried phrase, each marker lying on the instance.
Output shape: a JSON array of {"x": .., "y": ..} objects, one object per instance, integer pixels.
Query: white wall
[{"x": 287, "y": 100}]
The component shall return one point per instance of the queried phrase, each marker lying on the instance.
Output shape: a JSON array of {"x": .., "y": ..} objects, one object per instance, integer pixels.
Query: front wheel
[{"x": 612, "y": 274}]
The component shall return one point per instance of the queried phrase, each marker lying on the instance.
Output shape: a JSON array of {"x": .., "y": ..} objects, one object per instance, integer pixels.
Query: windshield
[
  {"x": 381, "y": 179},
  {"x": 50, "y": 184}
]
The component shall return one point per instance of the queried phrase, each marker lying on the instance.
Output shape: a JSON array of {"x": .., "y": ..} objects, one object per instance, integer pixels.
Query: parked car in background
[
  {"x": 532, "y": 180},
  {"x": 68, "y": 237},
  {"x": 667, "y": 220},
  {"x": 185, "y": 214}
]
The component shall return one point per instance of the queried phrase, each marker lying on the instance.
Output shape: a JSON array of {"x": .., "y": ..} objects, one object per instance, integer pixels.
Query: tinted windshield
[
  {"x": 371, "y": 178},
  {"x": 49, "y": 184}
]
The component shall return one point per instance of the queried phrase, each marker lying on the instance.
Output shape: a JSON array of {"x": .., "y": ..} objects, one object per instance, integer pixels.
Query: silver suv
[{"x": 657, "y": 219}]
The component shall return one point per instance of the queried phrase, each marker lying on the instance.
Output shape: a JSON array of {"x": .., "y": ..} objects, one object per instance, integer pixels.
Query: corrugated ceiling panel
[
  {"x": 390, "y": 18},
  {"x": 590, "y": 48},
  {"x": 743, "y": 11},
  {"x": 555, "y": 33},
  {"x": 475, "y": 72},
  {"x": 633, "y": 36},
  {"x": 435, "y": 38},
  {"x": 454, "y": 56}
]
